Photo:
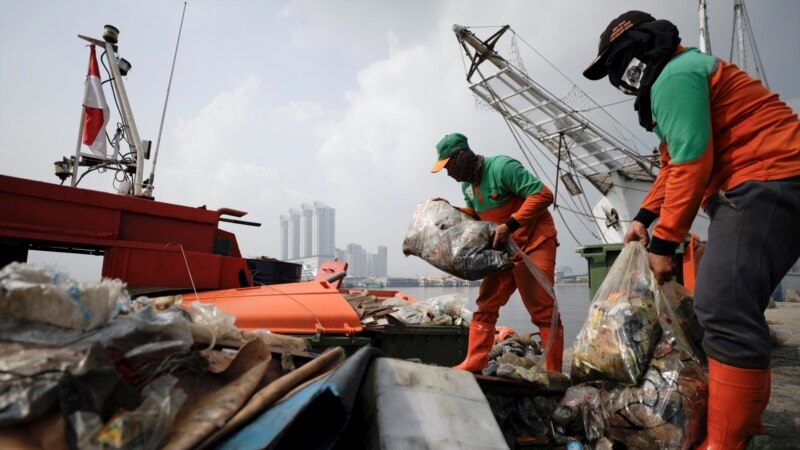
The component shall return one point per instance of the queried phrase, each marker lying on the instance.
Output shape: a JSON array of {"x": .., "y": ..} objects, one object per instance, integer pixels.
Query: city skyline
[{"x": 308, "y": 236}]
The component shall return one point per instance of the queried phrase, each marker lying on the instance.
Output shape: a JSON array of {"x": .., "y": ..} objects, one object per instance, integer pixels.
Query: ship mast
[
  {"x": 745, "y": 43},
  {"x": 139, "y": 149},
  {"x": 705, "y": 41},
  {"x": 572, "y": 136}
]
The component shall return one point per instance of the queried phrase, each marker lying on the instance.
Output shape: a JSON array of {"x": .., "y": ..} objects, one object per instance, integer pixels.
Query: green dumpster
[
  {"x": 440, "y": 345},
  {"x": 600, "y": 258},
  {"x": 350, "y": 344}
]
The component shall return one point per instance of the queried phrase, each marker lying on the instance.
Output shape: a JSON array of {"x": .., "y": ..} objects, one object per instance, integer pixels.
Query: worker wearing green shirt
[{"x": 500, "y": 190}]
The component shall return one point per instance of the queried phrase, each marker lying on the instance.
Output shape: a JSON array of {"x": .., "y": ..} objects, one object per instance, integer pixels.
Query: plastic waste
[
  {"x": 454, "y": 242},
  {"x": 30, "y": 377},
  {"x": 34, "y": 294},
  {"x": 218, "y": 323},
  {"x": 522, "y": 416},
  {"x": 444, "y": 310},
  {"x": 143, "y": 428},
  {"x": 125, "y": 332},
  {"x": 410, "y": 315},
  {"x": 621, "y": 327},
  {"x": 580, "y": 412},
  {"x": 667, "y": 409}
]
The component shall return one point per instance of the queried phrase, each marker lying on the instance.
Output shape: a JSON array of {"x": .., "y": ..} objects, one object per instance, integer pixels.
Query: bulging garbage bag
[
  {"x": 667, "y": 410},
  {"x": 454, "y": 242},
  {"x": 32, "y": 294},
  {"x": 621, "y": 327}
]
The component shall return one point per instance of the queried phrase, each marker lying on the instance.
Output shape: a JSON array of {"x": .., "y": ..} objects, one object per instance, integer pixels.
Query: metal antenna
[
  {"x": 705, "y": 41},
  {"x": 164, "y": 113}
]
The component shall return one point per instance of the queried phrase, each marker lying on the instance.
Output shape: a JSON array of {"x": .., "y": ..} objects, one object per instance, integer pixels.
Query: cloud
[
  {"x": 377, "y": 155},
  {"x": 301, "y": 112},
  {"x": 206, "y": 145},
  {"x": 222, "y": 158}
]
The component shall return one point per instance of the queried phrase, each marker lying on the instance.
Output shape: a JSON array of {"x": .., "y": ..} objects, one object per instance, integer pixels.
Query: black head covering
[
  {"x": 654, "y": 43},
  {"x": 465, "y": 165}
]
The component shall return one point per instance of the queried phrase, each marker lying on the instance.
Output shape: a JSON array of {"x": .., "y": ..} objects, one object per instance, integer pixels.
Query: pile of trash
[
  {"x": 85, "y": 366},
  {"x": 519, "y": 356},
  {"x": 524, "y": 420},
  {"x": 637, "y": 364},
  {"x": 454, "y": 242},
  {"x": 444, "y": 310}
]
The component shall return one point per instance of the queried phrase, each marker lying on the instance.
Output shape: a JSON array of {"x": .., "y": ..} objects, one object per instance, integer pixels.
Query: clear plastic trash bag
[
  {"x": 621, "y": 327},
  {"x": 454, "y": 242},
  {"x": 668, "y": 408}
]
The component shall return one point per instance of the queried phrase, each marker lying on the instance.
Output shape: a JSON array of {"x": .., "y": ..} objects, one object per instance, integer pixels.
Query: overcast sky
[{"x": 278, "y": 103}]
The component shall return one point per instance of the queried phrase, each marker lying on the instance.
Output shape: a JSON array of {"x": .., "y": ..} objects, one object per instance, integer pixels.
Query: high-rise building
[
  {"x": 324, "y": 240},
  {"x": 372, "y": 266},
  {"x": 283, "y": 239},
  {"x": 306, "y": 231},
  {"x": 382, "y": 262},
  {"x": 294, "y": 234},
  {"x": 363, "y": 264},
  {"x": 341, "y": 255},
  {"x": 356, "y": 258},
  {"x": 308, "y": 235}
]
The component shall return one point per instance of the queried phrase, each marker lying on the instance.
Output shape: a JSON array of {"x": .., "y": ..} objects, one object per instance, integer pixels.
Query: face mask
[{"x": 632, "y": 77}]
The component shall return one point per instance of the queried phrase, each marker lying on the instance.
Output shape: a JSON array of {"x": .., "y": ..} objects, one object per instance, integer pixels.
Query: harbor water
[{"x": 573, "y": 303}]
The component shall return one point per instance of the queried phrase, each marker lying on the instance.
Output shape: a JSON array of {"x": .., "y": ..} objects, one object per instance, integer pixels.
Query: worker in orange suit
[
  {"x": 500, "y": 190},
  {"x": 731, "y": 146}
]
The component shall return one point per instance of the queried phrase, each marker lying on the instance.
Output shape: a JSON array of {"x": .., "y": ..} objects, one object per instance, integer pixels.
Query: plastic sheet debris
[
  {"x": 518, "y": 357},
  {"x": 445, "y": 310},
  {"x": 667, "y": 408},
  {"x": 580, "y": 412},
  {"x": 32, "y": 294},
  {"x": 125, "y": 332},
  {"x": 146, "y": 427},
  {"x": 218, "y": 324},
  {"x": 30, "y": 376},
  {"x": 453, "y": 242},
  {"x": 522, "y": 418},
  {"x": 621, "y": 327},
  {"x": 114, "y": 385}
]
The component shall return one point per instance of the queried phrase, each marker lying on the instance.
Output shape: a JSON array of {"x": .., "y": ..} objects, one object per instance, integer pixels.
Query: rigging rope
[
  {"x": 575, "y": 86},
  {"x": 525, "y": 151},
  {"x": 583, "y": 205}
]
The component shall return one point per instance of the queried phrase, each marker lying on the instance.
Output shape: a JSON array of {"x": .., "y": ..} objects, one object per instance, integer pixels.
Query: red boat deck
[{"x": 148, "y": 244}]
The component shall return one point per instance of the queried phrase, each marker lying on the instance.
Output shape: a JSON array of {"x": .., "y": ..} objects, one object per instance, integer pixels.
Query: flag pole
[
  {"x": 150, "y": 180},
  {"x": 127, "y": 118},
  {"x": 74, "y": 180}
]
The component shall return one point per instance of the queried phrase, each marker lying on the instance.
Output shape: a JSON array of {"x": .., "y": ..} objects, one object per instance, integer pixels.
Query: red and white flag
[{"x": 95, "y": 108}]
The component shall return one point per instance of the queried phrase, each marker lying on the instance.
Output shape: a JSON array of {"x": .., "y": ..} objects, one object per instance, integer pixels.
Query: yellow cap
[{"x": 440, "y": 165}]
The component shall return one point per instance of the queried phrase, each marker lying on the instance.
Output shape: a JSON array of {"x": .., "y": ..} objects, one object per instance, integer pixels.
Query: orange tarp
[{"x": 291, "y": 308}]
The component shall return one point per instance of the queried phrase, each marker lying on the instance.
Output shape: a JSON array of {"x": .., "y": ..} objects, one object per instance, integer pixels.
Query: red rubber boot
[
  {"x": 556, "y": 353},
  {"x": 481, "y": 340},
  {"x": 736, "y": 399}
]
